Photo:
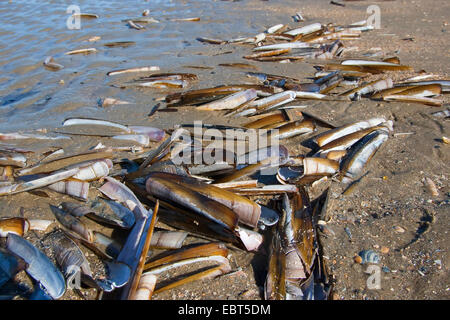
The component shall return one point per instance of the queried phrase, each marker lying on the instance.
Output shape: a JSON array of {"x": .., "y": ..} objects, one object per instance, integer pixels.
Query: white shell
[
  {"x": 316, "y": 166},
  {"x": 305, "y": 30},
  {"x": 288, "y": 45},
  {"x": 74, "y": 188},
  {"x": 139, "y": 138},
  {"x": 95, "y": 171},
  {"x": 230, "y": 102},
  {"x": 39, "y": 224},
  {"x": 145, "y": 287},
  {"x": 168, "y": 239},
  {"x": 251, "y": 239}
]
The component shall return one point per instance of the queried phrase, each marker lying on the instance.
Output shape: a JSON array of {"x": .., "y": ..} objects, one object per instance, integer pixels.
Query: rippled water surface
[{"x": 32, "y": 96}]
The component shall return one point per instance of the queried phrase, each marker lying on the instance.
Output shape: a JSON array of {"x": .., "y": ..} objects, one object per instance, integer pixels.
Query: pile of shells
[{"x": 251, "y": 197}]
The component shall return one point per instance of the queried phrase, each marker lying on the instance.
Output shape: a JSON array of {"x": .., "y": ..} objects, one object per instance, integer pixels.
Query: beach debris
[
  {"x": 94, "y": 39},
  {"x": 134, "y": 25},
  {"x": 86, "y": 15},
  {"x": 431, "y": 186},
  {"x": 122, "y": 44},
  {"x": 107, "y": 102},
  {"x": 185, "y": 19},
  {"x": 131, "y": 70},
  {"x": 368, "y": 256},
  {"x": 81, "y": 51},
  {"x": 52, "y": 65}
]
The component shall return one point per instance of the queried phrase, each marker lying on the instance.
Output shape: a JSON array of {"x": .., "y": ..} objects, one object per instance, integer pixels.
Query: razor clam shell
[
  {"x": 75, "y": 209},
  {"x": 290, "y": 174},
  {"x": 414, "y": 99},
  {"x": 247, "y": 211},
  {"x": 72, "y": 223},
  {"x": 143, "y": 140},
  {"x": 97, "y": 170},
  {"x": 39, "y": 267},
  {"x": 252, "y": 240},
  {"x": 130, "y": 70},
  {"x": 230, "y": 102},
  {"x": 68, "y": 254},
  {"x": 320, "y": 166},
  {"x": 304, "y": 30},
  {"x": 107, "y": 245},
  {"x": 75, "y": 188},
  {"x": 292, "y": 129},
  {"x": 118, "y": 275},
  {"x": 163, "y": 268},
  {"x": 266, "y": 103},
  {"x": 261, "y": 154},
  {"x": 154, "y": 134},
  {"x": 168, "y": 239},
  {"x": 95, "y": 122},
  {"x": 372, "y": 87},
  {"x": 333, "y": 134},
  {"x": 274, "y": 28},
  {"x": 111, "y": 212},
  {"x": 39, "y": 224},
  {"x": 18, "y": 226},
  {"x": 107, "y": 102},
  {"x": 289, "y": 45},
  {"x": 145, "y": 287},
  {"x": 82, "y": 51},
  {"x": 193, "y": 211},
  {"x": 116, "y": 190},
  {"x": 360, "y": 153},
  {"x": 445, "y": 84},
  {"x": 80, "y": 159}
]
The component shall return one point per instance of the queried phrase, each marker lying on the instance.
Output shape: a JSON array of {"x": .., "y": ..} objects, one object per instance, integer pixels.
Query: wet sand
[{"x": 391, "y": 195}]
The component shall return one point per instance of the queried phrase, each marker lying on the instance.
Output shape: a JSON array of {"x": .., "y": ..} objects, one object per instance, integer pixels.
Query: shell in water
[{"x": 369, "y": 256}]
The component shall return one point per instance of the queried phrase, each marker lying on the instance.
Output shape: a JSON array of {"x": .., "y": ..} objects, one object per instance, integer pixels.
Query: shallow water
[{"x": 32, "y": 96}]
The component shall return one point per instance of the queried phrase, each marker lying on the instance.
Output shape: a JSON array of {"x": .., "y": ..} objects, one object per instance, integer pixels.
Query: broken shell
[
  {"x": 369, "y": 256},
  {"x": 431, "y": 186},
  {"x": 18, "y": 226}
]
